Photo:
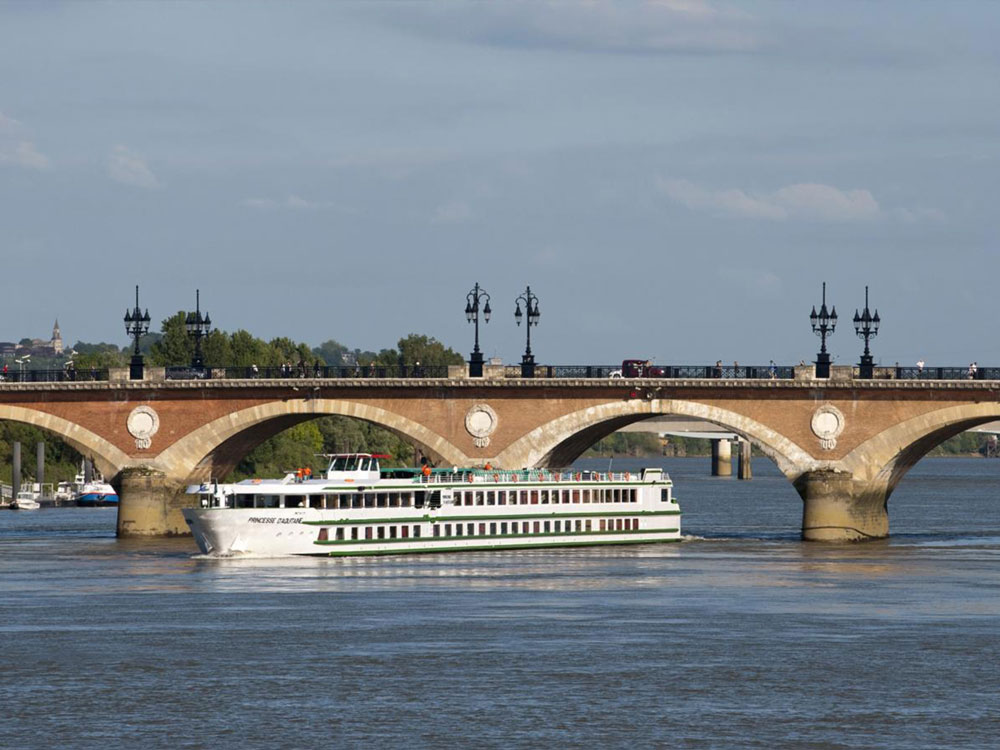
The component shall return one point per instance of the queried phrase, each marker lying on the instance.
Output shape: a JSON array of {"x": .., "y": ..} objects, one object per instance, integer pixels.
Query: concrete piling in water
[
  {"x": 15, "y": 479},
  {"x": 722, "y": 458},
  {"x": 88, "y": 471},
  {"x": 40, "y": 466},
  {"x": 744, "y": 468}
]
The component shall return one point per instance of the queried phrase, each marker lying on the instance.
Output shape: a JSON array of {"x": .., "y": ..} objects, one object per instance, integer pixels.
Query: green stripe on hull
[
  {"x": 528, "y": 517},
  {"x": 489, "y": 548}
]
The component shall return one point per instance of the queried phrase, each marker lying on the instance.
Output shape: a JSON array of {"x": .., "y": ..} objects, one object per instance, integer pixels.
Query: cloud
[
  {"x": 18, "y": 149},
  {"x": 454, "y": 212},
  {"x": 291, "y": 201},
  {"x": 755, "y": 283},
  {"x": 129, "y": 168},
  {"x": 805, "y": 201},
  {"x": 613, "y": 26}
]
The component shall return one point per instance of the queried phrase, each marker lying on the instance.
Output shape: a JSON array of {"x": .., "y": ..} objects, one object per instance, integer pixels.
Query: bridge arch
[
  {"x": 562, "y": 440},
  {"x": 107, "y": 458},
  {"x": 885, "y": 458},
  {"x": 215, "y": 448}
]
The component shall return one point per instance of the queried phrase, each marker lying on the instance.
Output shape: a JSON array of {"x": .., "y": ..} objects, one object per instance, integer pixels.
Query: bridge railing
[
  {"x": 53, "y": 376},
  {"x": 326, "y": 372}
]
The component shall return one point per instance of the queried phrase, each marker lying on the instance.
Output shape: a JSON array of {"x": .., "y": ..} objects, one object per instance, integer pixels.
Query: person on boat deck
[{"x": 488, "y": 466}]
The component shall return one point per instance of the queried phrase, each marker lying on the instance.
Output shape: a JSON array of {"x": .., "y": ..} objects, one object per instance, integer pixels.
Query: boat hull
[
  {"x": 96, "y": 500},
  {"x": 225, "y": 532}
]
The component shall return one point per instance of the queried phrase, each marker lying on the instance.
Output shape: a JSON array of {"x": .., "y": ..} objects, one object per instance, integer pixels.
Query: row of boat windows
[
  {"x": 347, "y": 500},
  {"x": 579, "y": 525}
]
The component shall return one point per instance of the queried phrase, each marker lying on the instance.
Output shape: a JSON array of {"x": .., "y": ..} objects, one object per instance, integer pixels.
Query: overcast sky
[{"x": 674, "y": 179}]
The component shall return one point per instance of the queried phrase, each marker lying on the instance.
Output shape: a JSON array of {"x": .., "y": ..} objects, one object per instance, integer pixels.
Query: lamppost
[
  {"x": 531, "y": 309},
  {"x": 823, "y": 325},
  {"x": 472, "y": 316},
  {"x": 866, "y": 326},
  {"x": 136, "y": 326},
  {"x": 197, "y": 328}
]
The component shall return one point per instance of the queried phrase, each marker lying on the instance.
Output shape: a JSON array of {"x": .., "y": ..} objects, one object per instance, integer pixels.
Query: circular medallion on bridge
[
  {"x": 827, "y": 424},
  {"x": 142, "y": 424},
  {"x": 481, "y": 422}
]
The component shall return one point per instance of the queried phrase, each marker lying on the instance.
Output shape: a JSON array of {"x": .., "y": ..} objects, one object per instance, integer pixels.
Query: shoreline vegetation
[{"x": 649, "y": 445}]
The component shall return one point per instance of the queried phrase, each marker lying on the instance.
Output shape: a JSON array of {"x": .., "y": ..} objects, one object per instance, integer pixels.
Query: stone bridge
[{"x": 844, "y": 444}]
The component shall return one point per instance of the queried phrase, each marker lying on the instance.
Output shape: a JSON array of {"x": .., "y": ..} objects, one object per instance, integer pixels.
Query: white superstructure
[{"x": 356, "y": 509}]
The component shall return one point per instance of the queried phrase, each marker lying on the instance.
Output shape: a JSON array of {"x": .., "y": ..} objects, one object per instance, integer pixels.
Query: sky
[{"x": 673, "y": 179}]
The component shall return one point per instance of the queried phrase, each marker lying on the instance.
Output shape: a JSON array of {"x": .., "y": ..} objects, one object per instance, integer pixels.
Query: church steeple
[{"x": 56, "y": 343}]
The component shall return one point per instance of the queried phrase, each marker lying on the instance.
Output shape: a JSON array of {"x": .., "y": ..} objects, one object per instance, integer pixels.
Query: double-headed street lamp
[
  {"x": 136, "y": 326},
  {"x": 472, "y": 300},
  {"x": 866, "y": 326},
  {"x": 823, "y": 325},
  {"x": 531, "y": 309},
  {"x": 197, "y": 328}
]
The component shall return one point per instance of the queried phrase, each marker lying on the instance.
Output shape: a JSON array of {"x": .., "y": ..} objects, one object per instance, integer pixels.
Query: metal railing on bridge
[
  {"x": 594, "y": 372},
  {"x": 54, "y": 376}
]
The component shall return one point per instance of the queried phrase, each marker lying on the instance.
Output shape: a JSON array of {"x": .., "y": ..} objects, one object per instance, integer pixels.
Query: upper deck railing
[{"x": 542, "y": 372}]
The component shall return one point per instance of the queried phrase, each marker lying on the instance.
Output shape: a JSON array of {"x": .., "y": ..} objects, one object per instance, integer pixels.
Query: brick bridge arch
[
  {"x": 561, "y": 441},
  {"x": 107, "y": 458},
  {"x": 214, "y": 449}
]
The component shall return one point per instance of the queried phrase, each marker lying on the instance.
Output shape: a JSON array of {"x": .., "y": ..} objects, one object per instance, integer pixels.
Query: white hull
[{"x": 477, "y": 512}]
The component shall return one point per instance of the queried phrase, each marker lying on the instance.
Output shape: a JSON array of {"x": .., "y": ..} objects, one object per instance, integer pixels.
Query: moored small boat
[{"x": 97, "y": 495}]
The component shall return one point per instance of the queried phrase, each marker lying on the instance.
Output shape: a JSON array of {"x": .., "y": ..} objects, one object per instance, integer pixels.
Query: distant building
[{"x": 38, "y": 347}]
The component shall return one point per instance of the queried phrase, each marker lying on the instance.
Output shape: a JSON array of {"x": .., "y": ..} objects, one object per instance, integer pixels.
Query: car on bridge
[{"x": 639, "y": 368}]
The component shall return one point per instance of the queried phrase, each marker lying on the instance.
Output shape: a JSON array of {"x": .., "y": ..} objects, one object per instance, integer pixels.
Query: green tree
[{"x": 175, "y": 347}]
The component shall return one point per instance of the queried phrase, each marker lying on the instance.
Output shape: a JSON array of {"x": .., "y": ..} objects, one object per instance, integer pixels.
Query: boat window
[
  {"x": 524, "y": 497},
  {"x": 545, "y": 497},
  {"x": 557, "y": 526},
  {"x": 267, "y": 501},
  {"x": 368, "y": 532},
  {"x": 383, "y": 499},
  {"x": 632, "y": 495},
  {"x": 365, "y": 464},
  {"x": 416, "y": 531},
  {"x": 576, "y": 496},
  {"x": 482, "y": 529},
  {"x": 316, "y": 501},
  {"x": 537, "y": 526},
  {"x": 357, "y": 500},
  {"x": 340, "y": 534},
  {"x": 578, "y": 524},
  {"x": 586, "y": 496},
  {"x": 392, "y": 532},
  {"x": 503, "y": 527},
  {"x": 435, "y": 499},
  {"x": 617, "y": 497},
  {"x": 602, "y": 525},
  {"x": 479, "y": 497},
  {"x": 323, "y": 535},
  {"x": 404, "y": 531},
  {"x": 393, "y": 499},
  {"x": 244, "y": 501},
  {"x": 534, "y": 497},
  {"x": 381, "y": 532},
  {"x": 447, "y": 529},
  {"x": 354, "y": 532},
  {"x": 405, "y": 499},
  {"x": 491, "y": 498},
  {"x": 664, "y": 495},
  {"x": 294, "y": 501},
  {"x": 586, "y": 524},
  {"x": 493, "y": 529},
  {"x": 471, "y": 529},
  {"x": 437, "y": 530},
  {"x": 458, "y": 529},
  {"x": 502, "y": 497},
  {"x": 369, "y": 499}
]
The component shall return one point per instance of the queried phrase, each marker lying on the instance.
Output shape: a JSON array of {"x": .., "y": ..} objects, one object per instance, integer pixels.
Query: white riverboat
[{"x": 358, "y": 509}]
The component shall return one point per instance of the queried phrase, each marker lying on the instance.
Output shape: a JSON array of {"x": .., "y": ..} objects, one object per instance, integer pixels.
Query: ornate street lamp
[
  {"x": 531, "y": 309},
  {"x": 472, "y": 300},
  {"x": 866, "y": 326},
  {"x": 136, "y": 326},
  {"x": 197, "y": 328},
  {"x": 823, "y": 325}
]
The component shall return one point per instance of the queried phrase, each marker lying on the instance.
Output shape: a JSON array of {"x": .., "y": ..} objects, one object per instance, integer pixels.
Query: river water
[{"x": 741, "y": 636}]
